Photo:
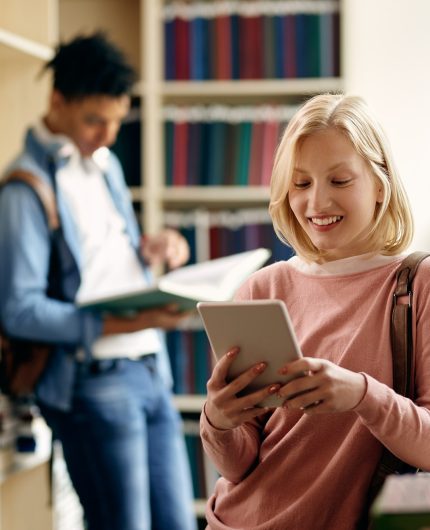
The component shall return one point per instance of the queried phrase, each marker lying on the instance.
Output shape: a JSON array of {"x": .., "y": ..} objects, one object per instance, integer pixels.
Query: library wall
[{"x": 385, "y": 54}]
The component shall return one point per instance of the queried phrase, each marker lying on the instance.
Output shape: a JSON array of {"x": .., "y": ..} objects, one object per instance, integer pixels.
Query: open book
[
  {"x": 403, "y": 503},
  {"x": 214, "y": 280}
]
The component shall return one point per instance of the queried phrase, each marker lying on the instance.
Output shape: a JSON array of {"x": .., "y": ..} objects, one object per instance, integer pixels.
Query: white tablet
[{"x": 262, "y": 330}]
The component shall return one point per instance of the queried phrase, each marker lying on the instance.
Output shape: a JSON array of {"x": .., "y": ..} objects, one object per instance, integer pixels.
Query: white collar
[
  {"x": 66, "y": 148},
  {"x": 349, "y": 265}
]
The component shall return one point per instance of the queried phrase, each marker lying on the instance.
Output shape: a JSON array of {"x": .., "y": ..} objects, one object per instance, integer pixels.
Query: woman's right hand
[
  {"x": 167, "y": 317},
  {"x": 223, "y": 408}
]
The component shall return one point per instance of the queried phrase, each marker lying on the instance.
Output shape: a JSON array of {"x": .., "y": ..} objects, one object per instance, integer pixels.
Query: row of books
[
  {"x": 222, "y": 146},
  {"x": 227, "y": 232},
  {"x": 258, "y": 40},
  {"x": 190, "y": 359}
]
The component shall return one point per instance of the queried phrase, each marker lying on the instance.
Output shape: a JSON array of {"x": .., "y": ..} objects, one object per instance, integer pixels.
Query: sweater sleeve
[
  {"x": 26, "y": 310},
  {"x": 401, "y": 424},
  {"x": 234, "y": 452}
]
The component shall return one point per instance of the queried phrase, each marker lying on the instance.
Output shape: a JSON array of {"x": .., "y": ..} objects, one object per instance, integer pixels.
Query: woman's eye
[
  {"x": 341, "y": 182},
  {"x": 300, "y": 185}
]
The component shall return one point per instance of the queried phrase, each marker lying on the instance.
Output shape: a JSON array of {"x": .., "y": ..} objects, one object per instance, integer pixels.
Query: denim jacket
[{"x": 25, "y": 243}]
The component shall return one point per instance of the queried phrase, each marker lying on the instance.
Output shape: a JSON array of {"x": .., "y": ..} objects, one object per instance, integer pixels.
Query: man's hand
[
  {"x": 169, "y": 246},
  {"x": 167, "y": 317}
]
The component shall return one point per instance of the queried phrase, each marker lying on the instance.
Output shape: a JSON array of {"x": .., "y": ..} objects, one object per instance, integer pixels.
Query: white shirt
[{"x": 108, "y": 258}]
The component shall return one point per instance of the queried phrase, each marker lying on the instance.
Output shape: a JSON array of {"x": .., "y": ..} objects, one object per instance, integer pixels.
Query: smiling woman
[
  {"x": 337, "y": 199},
  {"x": 337, "y": 139}
]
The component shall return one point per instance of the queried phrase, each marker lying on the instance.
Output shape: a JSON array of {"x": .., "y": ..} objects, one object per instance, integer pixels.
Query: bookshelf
[{"x": 215, "y": 218}]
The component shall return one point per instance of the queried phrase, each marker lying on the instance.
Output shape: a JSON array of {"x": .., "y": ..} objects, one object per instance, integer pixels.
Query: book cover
[
  {"x": 180, "y": 152},
  {"x": 182, "y": 48},
  {"x": 255, "y": 164},
  {"x": 269, "y": 47},
  {"x": 270, "y": 141},
  {"x": 223, "y": 47},
  {"x": 169, "y": 49},
  {"x": 215, "y": 280},
  {"x": 244, "y": 152},
  {"x": 403, "y": 503},
  {"x": 290, "y": 43},
  {"x": 197, "y": 48}
]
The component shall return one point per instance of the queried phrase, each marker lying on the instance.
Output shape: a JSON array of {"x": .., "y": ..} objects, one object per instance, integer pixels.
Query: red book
[
  {"x": 256, "y": 27},
  {"x": 290, "y": 66},
  {"x": 180, "y": 154},
  {"x": 256, "y": 160},
  {"x": 214, "y": 242},
  {"x": 223, "y": 47},
  {"x": 270, "y": 142},
  {"x": 246, "y": 59},
  {"x": 182, "y": 48}
]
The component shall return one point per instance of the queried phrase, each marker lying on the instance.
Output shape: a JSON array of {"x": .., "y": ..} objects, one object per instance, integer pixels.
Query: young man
[{"x": 105, "y": 391}]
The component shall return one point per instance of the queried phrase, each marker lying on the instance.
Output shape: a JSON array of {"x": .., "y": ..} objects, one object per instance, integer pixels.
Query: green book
[
  {"x": 403, "y": 503},
  {"x": 214, "y": 280}
]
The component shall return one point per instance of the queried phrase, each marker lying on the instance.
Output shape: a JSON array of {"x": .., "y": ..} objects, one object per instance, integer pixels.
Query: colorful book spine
[{"x": 251, "y": 40}]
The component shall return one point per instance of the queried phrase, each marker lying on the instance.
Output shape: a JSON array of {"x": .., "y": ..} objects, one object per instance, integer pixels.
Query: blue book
[
  {"x": 326, "y": 32},
  {"x": 234, "y": 24},
  {"x": 198, "y": 52},
  {"x": 300, "y": 24},
  {"x": 279, "y": 39}
]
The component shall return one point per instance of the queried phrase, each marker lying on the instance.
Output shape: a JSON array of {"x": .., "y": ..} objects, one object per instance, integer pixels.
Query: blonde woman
[{"x": 337, "y": 199}]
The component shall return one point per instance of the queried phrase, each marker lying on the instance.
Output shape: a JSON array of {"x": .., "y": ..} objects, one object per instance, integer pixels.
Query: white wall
[{"x": 386, "y": 59}]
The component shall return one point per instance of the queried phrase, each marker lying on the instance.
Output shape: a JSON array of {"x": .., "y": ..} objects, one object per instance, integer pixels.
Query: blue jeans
[{"x": 124, "y": 448}]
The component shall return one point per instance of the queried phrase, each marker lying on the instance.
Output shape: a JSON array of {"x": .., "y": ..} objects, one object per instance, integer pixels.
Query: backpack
[{"x": 22, "y": 362}]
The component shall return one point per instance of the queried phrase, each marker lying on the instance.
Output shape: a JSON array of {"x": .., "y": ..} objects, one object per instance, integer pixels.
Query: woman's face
[{"x": 333, "y": 194}]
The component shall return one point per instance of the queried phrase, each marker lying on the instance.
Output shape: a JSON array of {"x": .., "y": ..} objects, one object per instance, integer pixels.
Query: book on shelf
[
  {"x": 214, "y": 280},
  {"x": 403, "y": 503}
]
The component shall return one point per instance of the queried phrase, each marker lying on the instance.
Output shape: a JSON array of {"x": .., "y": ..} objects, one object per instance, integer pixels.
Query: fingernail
[
  {"x": 233, "y": 352},
  {"x": 274, "y": 388},
  {"x": 260, "y": 367},
  {"x": 283, "y": 370}
]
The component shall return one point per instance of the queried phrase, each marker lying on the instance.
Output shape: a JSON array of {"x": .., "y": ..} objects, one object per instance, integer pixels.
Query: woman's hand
[
  {"x": 321, "y": 386},
  {"x": 223, "y": 408},
  {"x": 167, "y": 317},
  {"x": 169, "y": 246}
]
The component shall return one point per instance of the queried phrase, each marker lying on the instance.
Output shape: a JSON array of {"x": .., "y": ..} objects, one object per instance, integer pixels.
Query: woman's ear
[{"x": 380, "y": 192}]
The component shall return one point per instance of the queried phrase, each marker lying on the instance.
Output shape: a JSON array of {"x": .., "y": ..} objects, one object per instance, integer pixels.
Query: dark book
[
  {"x": 244, "y": 152},
  {"x": 127, "y": 147},
  {"x": 256, "y": 160},
  {"x": 217, "y": 153},
  {"x": 169, "y": 128},
  {"x": 169, "y": 49},
  {"x": 234, "y": 48},
  {"x": 312, "y": 45},
  {"x": 280, "y": 43}
]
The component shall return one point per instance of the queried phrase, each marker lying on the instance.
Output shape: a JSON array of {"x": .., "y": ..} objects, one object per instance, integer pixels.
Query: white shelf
[
  {"x": 258, "y": 87},
  {"x": 24, "y": 45},
  {"x": 198, "y": 195},
  {"x": 189, "y": 402},
  {"x": 208, "y": 194}
]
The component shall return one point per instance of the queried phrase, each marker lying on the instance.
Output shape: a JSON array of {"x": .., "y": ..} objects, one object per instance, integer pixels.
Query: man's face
[{"x": 91, "y": 122}]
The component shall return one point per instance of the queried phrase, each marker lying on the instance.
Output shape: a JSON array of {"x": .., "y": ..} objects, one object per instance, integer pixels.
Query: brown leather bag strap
[
  {"x": 401, "y": 326},
  {"x": 403, "y": 368},
  {"x": 43, "y": 191}
]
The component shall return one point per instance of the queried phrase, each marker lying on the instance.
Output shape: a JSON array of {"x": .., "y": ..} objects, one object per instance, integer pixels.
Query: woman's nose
[{"x": 319, "y": 198}]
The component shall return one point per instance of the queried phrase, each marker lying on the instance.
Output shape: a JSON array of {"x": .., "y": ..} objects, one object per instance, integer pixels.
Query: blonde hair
[{"x": 393, "y": 228}]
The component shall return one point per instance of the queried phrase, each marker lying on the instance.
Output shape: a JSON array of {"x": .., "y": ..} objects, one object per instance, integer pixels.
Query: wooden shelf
[{"x": 24, "y": 45}]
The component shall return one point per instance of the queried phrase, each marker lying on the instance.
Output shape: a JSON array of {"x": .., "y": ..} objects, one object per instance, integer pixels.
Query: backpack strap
[
  {"x": 403, "y": 369},
  {"x": 43, "y": 191}
]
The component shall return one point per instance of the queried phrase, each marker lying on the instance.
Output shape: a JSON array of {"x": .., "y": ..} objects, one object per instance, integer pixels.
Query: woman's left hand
[
  {"x": 321, "y": 386},
  {"x": 169, "y": 246}
]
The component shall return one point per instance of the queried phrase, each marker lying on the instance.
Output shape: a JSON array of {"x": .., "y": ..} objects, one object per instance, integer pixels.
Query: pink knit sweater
[{"x": 289, "y": 471}]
